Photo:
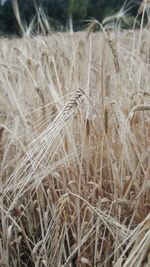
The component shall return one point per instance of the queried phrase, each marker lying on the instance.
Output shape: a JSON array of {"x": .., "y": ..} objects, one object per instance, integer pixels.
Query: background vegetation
[{"x": 58, "y": 12}]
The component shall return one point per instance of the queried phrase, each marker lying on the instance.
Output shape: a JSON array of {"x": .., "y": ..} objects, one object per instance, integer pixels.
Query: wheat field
[{"x": 75, "y": 150}]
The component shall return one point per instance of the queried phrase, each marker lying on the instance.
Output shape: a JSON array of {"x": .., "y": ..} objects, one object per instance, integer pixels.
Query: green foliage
[
  {"x": 58, "y": 12},
  {"x": 7, "y": 20},
  {"x": 27, "y": 10},
  {"x": 78, "y": 9}
]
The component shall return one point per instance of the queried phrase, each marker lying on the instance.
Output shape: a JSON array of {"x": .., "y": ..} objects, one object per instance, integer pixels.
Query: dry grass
[{"x": 75, "y": 163}]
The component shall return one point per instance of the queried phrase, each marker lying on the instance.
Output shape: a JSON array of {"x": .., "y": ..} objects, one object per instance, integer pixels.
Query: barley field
[{"x": 75, "y": 149}]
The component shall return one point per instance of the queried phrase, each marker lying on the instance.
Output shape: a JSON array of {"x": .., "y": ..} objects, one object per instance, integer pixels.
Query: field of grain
[{"x": 75, "y": 150}]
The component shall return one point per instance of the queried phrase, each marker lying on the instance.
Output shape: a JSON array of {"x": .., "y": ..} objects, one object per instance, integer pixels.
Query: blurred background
[{"x": 61, "y": 14}]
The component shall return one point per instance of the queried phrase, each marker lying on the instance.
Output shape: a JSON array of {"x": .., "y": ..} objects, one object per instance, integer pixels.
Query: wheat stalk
[
  {"x": 141, "y": 107},
  {"x": 36, "y": 151}
]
